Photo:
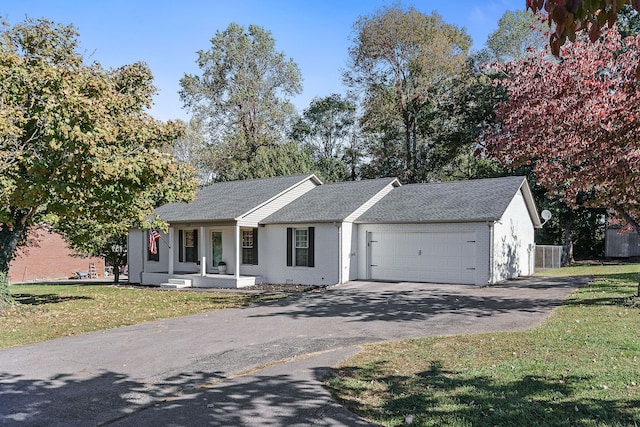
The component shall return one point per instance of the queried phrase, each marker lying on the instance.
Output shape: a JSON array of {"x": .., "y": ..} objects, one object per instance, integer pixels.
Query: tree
[
  {"x": 458, "y": 116},
  {"x": 328, "y": 128},
  {"x": 575, "y": 122},
  {"x": 80, "y": 144},
  {"x": 107, "y": 241},
  {"x": 572, "y": 16},
  {"x": 517, "y": 32},
  {"x": 242, "y": 94},
  {"x": 400, "y": 59},
  {"x": 628, "y": 21},
  {"x": 520, "y": 34},
  {"x": 280, "y": 160},
  {"x": 194, "y": 151}
]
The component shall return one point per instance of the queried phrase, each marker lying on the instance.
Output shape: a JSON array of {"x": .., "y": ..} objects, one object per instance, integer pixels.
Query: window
[
  {"x": 300, "y": 247},
  {"x": 247, "y": 246},
  {"x": 250, "y": 246},
  {"x": 188, "y": 246}
]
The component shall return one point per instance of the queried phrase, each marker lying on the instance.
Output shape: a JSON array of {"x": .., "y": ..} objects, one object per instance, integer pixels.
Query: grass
[
  {"x": 45, "y": 312},
  {"x": 580, "y": 368}
]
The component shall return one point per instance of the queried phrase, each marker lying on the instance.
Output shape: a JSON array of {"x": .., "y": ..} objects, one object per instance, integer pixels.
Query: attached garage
[
  {"x": 443, "y": 257},
  {"x": 468, "y": 232}
]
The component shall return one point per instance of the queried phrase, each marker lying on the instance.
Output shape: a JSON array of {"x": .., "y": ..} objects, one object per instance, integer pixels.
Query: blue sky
[{"x": 167, "y": 34}]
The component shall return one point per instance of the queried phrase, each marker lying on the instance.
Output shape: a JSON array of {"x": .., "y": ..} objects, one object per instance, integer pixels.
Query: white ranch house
[{"x": 297, "y": 230}]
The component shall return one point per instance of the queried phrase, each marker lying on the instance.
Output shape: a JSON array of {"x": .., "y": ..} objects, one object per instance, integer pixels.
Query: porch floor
[{"x": 199, "y": 281}]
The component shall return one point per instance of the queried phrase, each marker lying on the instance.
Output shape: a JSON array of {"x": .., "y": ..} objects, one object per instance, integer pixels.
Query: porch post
[
  {"x": 171, "y": 244},
  {"x": 202, "y": 243},
  {"x": 236, "y": 270}
]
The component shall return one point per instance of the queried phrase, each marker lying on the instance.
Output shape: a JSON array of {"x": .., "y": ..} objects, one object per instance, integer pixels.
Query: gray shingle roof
[
  {"x": 459, "y": 201},
  {"x": 329, "y": 202},
  {"x": 228, "y": 200}
]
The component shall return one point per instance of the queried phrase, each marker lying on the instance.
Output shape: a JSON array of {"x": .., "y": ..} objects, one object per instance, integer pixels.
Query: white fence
[{"x": 548, "y": 256}]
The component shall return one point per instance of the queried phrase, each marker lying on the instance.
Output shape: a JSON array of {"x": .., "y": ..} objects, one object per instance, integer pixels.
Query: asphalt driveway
[{"x": 260, "y": 365}]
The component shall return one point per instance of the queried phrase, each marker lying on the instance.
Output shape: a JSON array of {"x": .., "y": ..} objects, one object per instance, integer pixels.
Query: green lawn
[
  {"x": 580, "y": 368},
  {"x": 44, "y": 312}
]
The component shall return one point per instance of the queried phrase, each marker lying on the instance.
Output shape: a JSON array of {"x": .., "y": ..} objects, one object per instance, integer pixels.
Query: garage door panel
[{"x": 425, "y": 257}]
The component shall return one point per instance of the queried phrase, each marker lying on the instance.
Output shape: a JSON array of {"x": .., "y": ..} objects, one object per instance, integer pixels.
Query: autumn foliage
[
  {"x": 575, "y": 121},
  {"x": 569, "y": 17}
]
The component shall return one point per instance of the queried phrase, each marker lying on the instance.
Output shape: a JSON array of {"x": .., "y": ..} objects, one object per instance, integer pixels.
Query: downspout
[{"x": 491, "y": 251}]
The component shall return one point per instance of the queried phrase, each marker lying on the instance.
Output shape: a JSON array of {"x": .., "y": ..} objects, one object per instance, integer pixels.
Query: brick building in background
[{"x": 49, "y": 259}]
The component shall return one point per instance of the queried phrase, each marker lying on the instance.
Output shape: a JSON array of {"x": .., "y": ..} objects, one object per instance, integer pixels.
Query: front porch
[{"x": 203, "y": 281}]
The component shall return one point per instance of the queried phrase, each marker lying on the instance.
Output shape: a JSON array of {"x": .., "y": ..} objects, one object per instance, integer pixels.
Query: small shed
[{"x": 620, "y": 244}]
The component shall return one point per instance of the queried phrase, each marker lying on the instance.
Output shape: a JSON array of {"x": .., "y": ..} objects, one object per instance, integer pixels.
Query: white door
[{"x": 423, "y": 257}]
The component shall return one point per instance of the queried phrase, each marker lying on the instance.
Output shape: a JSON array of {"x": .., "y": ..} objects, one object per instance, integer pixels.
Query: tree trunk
[
  {"x": 409, "y": 152},
  {"x": 116, "y": 274},
  {"x": 10, "y": 238},
  {"x": 567, "y": 249}
]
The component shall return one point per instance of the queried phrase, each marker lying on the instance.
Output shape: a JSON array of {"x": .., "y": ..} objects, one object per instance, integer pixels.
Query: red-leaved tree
[
  {"x": 568, "y": 17},
  {"x": 576, "y": 122}
]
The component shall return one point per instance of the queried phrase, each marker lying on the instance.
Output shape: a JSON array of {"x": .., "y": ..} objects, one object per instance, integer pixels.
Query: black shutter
[
  {"x": 255, "y": 246},
  {"x": 289, "y": 246},
  {"x": 180, "y": 246},
  {"x": 311, "y": 253}
]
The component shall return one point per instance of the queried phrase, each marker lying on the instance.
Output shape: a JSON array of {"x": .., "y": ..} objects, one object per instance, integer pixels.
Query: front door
[{"x": 216, "y": 247}]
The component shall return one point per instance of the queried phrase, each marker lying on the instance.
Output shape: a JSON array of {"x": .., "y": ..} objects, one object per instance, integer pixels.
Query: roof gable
[
  {"x": 230, "y": 200},
  {"x": 457, "y": 201},
  {"x": 330, "y": 202}
]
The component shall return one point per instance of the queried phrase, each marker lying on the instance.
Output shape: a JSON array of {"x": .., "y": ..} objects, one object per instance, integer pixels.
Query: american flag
[{"x": 153, "y": 241}]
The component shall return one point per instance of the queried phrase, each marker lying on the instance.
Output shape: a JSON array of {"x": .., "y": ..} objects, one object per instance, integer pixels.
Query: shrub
[{"x": 5, "y": 296}]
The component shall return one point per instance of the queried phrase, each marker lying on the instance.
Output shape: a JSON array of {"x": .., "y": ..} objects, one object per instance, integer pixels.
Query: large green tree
[
  {"x": 328, "y": 128},
  {"x": 76, "y": 140},
  {"x": 401, "y": 60},
  {"x": 241, "y": 95}
]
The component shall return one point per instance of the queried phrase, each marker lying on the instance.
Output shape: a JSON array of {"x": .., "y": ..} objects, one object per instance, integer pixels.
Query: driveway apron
[{"x": 259, "y": 365}]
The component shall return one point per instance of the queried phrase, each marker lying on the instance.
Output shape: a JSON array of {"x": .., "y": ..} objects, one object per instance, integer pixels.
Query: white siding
[
  {"x": 349, "y": 251},
  {"x": 251, "y": 219},
  {"x": 136, "y": 252},
  {"x": 513, "y": 242},
  {"x": 480, "y": 230},
  {"x": 273, "y": 248}
]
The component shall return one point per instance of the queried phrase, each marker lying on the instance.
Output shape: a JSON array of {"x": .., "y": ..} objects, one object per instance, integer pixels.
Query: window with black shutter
[{"x": 301, "y": 247}]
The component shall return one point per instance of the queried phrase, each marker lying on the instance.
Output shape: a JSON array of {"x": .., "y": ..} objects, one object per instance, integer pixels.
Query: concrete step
[{"x": 176, "y": 284}]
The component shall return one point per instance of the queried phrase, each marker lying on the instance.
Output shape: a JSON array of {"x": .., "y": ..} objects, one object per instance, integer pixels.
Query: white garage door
[{"x": 423, "y": 257}]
